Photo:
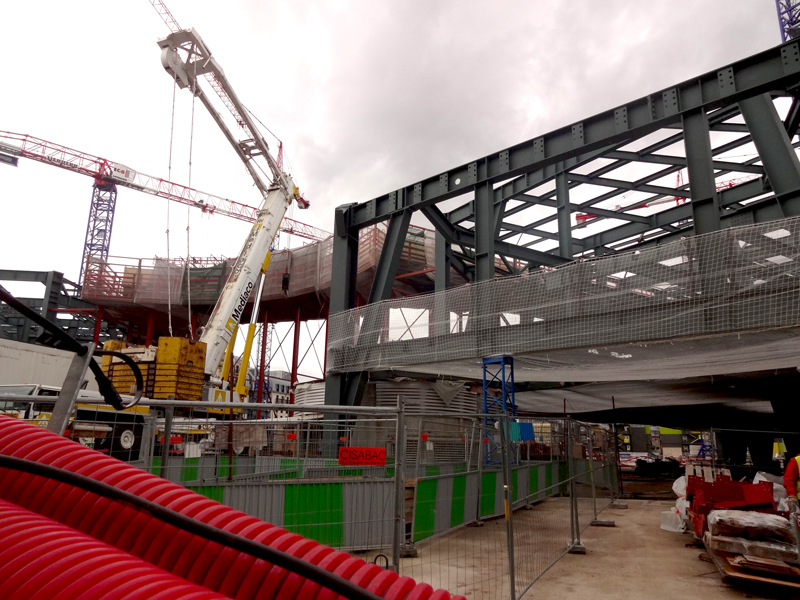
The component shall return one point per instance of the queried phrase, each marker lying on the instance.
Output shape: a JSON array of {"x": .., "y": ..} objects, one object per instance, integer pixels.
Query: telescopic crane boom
[{"x": 186, "y": 57}]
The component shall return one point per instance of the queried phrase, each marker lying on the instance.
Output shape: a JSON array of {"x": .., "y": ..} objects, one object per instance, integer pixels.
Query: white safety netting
[{"x": 598, "y": 319}]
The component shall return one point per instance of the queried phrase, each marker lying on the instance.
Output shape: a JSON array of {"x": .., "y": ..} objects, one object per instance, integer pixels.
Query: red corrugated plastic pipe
[
  {"x": 45, "y": 560},
  {"x": 189, "y": 557}
]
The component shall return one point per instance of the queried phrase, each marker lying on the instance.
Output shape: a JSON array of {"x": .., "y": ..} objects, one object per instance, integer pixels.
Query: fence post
[
  {"x": 398, "y": 537},
  {"x": 591, "y": 474},
  {"x": 505, "y": 458},
  {"x": 595, "y": 521},
  {"x": 169, "y": 412},
  {"x": 576, "y": 546}
]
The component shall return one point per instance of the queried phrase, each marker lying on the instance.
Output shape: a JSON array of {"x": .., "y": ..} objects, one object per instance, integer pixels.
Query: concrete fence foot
[{"x": 602, "y": 523}]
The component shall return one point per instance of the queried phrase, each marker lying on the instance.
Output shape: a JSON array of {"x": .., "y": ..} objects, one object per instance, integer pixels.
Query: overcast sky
[{"x": 367, "y": 96}]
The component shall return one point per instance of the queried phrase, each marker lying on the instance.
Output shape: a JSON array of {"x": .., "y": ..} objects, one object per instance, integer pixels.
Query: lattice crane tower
[{"x": 789, "y": 18}]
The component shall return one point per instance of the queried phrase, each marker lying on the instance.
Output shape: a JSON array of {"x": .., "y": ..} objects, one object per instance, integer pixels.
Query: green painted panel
[
  {"x": 213, "y": 492},
  {"x": 389, "y": 473},
  {"x": 488, "y": 493},
  {"x": 460, "y": 468},
  {"x": 189, "y": 469},
  {"x": 225, "y": 466},
  {"x": 155, "y": 469},
  {"x": 351, "y": 473},
  {"x": 548, "y": 477},
  {"x": 425, "y": 508},
  {"x": 563, "y": 477},
  {"x": 533, "y": 483},
  {"x": 315, "y": 511},
  {"x": 432, "y": 471},
  {"x": 288, "y": 464},
  {"x": 459, "y": 498},
  {"x": 514, "y": 485}
]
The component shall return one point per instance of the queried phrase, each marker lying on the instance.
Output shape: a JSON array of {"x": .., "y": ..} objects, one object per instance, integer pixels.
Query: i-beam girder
[{"x": 697, "y": 107}]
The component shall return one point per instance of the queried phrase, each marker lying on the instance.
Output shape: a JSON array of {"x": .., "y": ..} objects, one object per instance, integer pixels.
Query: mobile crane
[{"x": 185, "y": 57}]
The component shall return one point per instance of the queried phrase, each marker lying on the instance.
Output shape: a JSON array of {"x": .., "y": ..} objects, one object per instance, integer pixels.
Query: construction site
[{"x": 565, "y": 367}]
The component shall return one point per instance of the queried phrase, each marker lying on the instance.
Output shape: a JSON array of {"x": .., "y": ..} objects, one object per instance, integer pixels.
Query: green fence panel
[
  {"x": 458, "y": 502},
  {"x": 189, "y": 469},
  {"x": 488, "y": 493},
  {"x": 226, "y": 466},
  {"x": 315, "y": 511},
  {"x": 212, "y": 492},
  {"x": 514, "y": 484},
  {"x": 425, "y": 509},
  {"x": 533, "y": 483}
]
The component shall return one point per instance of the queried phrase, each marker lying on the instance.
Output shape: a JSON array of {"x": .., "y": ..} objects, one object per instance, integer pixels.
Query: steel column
[
  {"x": 564, "y": 215},
  {"x": 440, "y": 321},
  {"x": 773, "y": 144},
  {"x": 344, "y": 271},
  {"x": 381, "y": 289},
  {"x": 442, "y": 263},
  {"x": 484, "y": 233},
  {"x": 700, "y": 164}
]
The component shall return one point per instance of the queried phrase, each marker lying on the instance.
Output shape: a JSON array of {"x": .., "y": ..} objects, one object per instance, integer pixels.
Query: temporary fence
[{"x": 478, "y": 505}]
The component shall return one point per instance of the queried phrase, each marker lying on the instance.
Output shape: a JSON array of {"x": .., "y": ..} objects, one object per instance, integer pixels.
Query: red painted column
[
  {"x": 295, "y": 352},
  {"x": 98, "y": 323},
  {"x": 263, "y": 362},
  {"x": 148, "y": 338}
]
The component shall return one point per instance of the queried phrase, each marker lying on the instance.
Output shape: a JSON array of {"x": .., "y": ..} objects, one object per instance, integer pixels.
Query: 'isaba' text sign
[{"x": 362, "y": 456}]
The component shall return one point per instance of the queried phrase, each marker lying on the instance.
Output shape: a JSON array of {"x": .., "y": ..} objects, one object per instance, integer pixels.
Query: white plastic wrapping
[
  {"x": 778, "y": 491},
  {"x": 750, "y": 525},
  {"x": 679, "y": 486},
  {"x": 671, "y": 521}
]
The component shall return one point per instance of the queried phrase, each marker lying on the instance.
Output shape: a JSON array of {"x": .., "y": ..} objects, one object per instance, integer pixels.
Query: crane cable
[
  {"x": 189, "y": 208},
  {"x": 169, "y": 171}
]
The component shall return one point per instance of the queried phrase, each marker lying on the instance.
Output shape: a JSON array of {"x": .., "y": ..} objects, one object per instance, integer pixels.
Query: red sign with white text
[{"x": 362, "y": 456}]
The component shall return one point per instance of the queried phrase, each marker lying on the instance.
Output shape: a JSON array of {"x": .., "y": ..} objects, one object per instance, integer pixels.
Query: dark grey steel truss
[{"x": 609, "y": 183}]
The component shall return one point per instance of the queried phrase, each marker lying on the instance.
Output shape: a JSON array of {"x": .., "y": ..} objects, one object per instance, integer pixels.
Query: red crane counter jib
[
  {"x": 54, "y": 154},
  {"x": 104, "y": 170}
]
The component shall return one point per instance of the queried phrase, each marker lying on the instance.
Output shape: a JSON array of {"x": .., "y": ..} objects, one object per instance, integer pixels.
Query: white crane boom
[{"x": 185, "y": 57}]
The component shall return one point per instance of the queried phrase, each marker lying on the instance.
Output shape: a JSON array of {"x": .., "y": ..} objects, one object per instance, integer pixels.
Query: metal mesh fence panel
[
  {"x": 742, "y": 279},
  {"x": 437, "y": 501}
]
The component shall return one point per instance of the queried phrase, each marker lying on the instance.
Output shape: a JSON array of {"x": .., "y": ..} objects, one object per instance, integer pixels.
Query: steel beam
[
  {"x": 700, "y": 165},
  {"x": 772, "y": 142},
  {"x": 386, "y": 269}
]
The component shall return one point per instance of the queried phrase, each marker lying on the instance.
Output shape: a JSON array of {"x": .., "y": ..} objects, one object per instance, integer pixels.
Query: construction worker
[{"x": 790, "y": 479}]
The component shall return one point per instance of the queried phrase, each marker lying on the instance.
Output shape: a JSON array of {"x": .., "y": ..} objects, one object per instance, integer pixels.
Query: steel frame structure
[
  {"x": 618, "y": 168},
  {"x": 60, "y": 296}
]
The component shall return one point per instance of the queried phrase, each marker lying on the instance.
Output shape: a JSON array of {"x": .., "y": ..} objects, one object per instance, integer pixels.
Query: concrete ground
[{"x": 637, "y": 559}]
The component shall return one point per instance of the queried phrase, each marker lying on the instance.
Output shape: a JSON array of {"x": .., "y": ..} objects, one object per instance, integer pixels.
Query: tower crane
[{"x": 108, "y": 174}]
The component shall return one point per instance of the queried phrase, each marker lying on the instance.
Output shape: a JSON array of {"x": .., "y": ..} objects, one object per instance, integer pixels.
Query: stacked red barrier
[
  {"x": 186, "y": 556},
  {"x": 724, "y": 493}
]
